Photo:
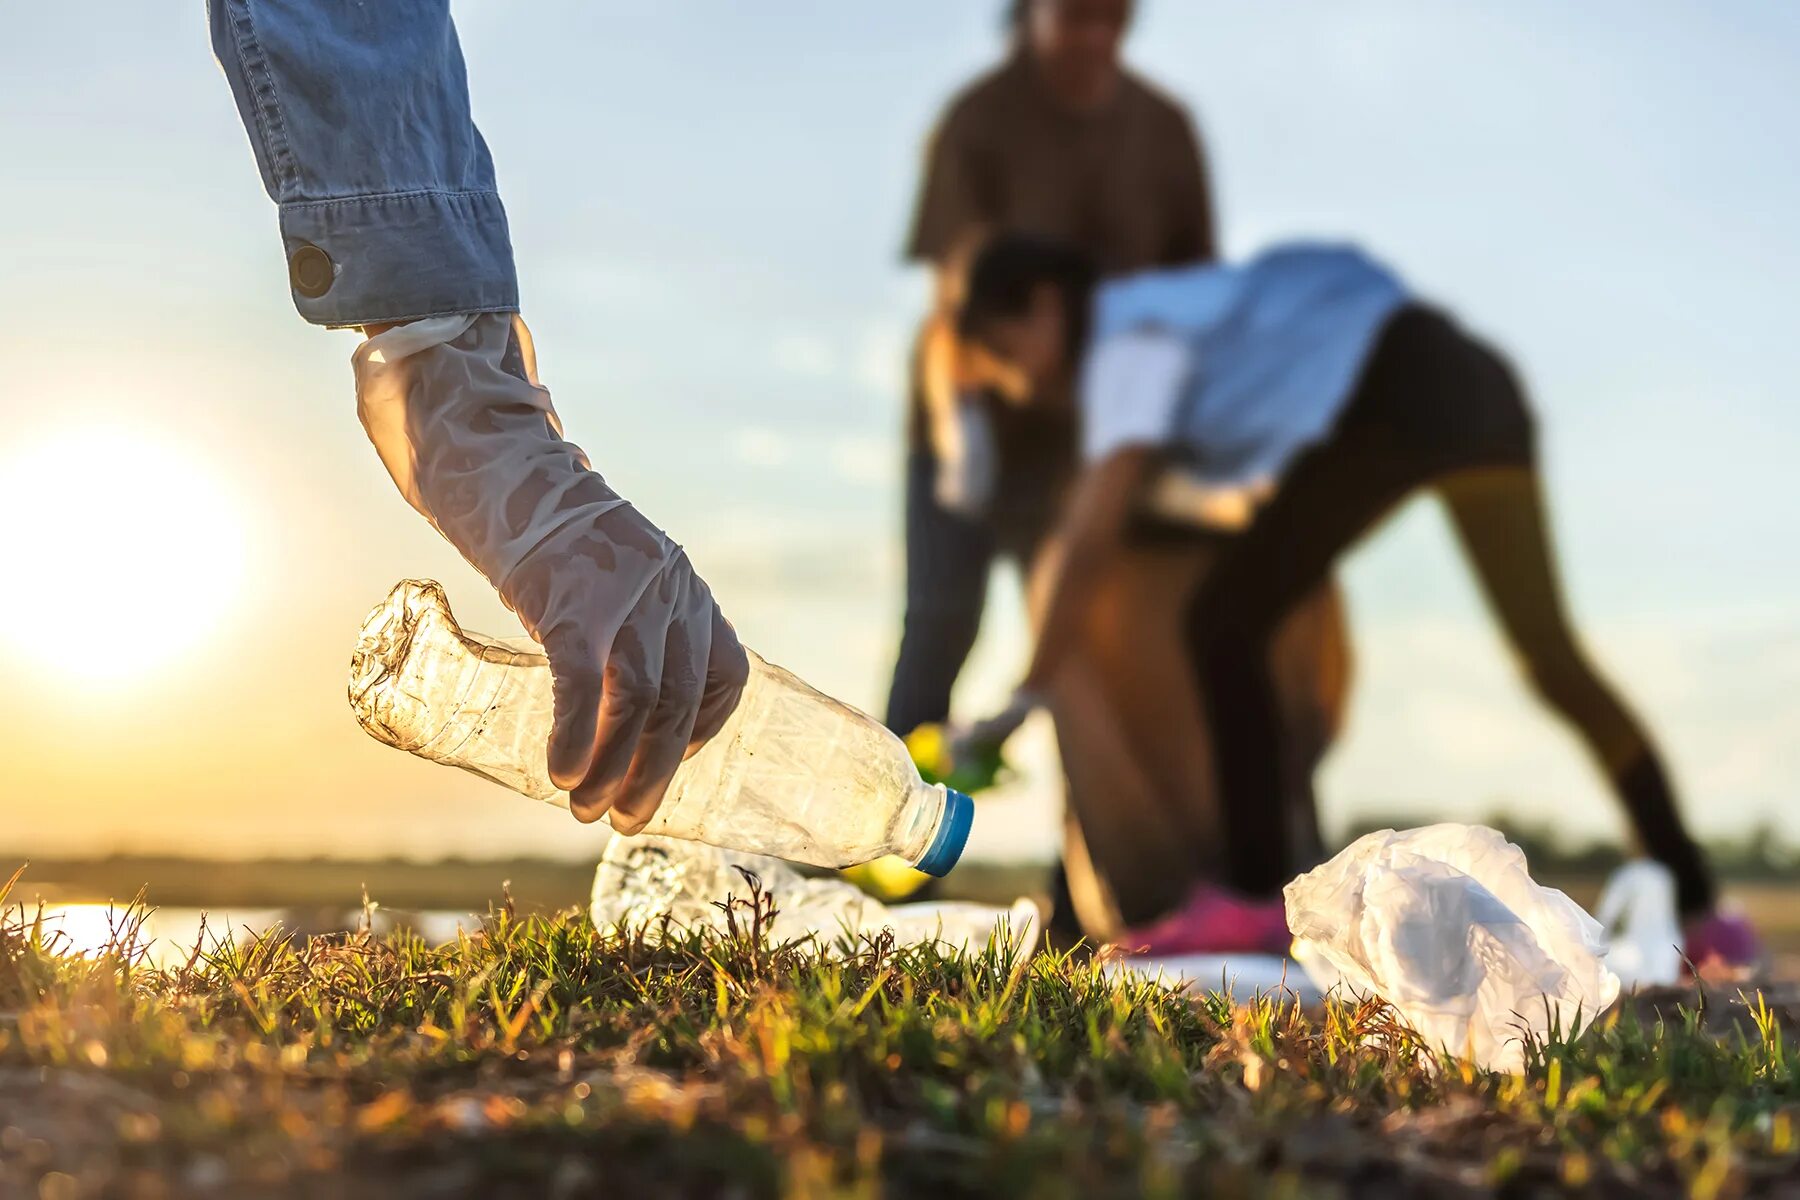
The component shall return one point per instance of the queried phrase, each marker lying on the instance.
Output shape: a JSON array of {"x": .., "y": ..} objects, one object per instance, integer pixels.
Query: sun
[{"x": 124, "y": 551}]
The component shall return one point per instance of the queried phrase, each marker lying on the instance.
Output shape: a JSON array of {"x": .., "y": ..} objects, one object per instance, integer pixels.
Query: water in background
[{"x": 167, "y": 937}]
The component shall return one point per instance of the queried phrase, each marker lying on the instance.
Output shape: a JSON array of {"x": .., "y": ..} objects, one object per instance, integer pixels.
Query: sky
[{"x": 707, "y": 200}]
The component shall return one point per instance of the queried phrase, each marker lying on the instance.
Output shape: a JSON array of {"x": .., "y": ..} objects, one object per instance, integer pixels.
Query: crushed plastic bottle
[
  {"x": 1447, "y": 926},
  {"x": 792, "y": 773},
  {"x": 643, "y": 879}
]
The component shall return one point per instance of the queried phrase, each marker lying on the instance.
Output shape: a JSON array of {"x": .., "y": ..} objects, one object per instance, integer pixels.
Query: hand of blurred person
[
  {"x": 646, "y": 667},
  {"x": 984, "y": 738}
]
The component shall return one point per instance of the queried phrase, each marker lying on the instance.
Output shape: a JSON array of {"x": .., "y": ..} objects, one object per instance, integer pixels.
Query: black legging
[{"x": 1434, "y": 408}]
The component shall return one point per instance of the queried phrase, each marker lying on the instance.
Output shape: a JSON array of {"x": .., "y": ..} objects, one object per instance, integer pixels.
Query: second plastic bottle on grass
[{"x": 793, "y": 773}]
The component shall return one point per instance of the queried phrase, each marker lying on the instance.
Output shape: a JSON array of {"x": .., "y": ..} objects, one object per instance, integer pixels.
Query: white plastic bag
[
  {"x": 1637, "y": 910},
  {"x": 1446, "y": 925},
  {"x": 641, "y": 879}
]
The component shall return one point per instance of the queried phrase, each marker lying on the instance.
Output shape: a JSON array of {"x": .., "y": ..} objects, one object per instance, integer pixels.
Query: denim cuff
[{"x": 366, "y": 260}]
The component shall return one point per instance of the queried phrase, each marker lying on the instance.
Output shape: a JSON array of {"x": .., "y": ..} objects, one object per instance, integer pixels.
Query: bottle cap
[{"x": 952, "y": 834}]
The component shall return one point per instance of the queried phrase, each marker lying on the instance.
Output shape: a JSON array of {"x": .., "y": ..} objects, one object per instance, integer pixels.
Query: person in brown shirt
[
  {"x": 1059, "y": 139},
  {"x": 1062, "y": 140},
  {"x": 1094, "y": 155}
]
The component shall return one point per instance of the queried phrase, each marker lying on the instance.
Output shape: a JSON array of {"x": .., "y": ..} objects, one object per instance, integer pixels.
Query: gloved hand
[
  {"x": 970, "y": 743},
  {"x": 645, "y": 666}
]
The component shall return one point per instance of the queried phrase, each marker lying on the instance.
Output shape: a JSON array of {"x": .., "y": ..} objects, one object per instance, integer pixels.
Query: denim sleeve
[{"x": 358, "y": 112}]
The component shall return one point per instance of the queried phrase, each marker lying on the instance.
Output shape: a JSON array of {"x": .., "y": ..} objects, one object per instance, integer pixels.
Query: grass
[{"x": 541, "y": 1057}]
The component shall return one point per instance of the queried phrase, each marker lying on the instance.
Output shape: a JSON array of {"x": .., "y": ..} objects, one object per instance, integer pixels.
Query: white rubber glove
[
  {"x": 645, "y": 665},
  {"x": 968, "y": 468}
]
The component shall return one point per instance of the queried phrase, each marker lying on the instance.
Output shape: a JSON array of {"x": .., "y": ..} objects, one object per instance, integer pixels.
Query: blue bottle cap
[{"x": 952, "y": 834}]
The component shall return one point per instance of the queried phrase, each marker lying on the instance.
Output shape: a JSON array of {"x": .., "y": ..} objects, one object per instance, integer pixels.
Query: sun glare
[{"x": 124, "y": 553}]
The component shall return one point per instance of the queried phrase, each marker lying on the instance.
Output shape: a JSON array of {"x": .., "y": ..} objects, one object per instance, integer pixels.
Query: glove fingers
[
  {"x": 575, "y": 668},
  {"x": 664, "y": 741},
  {"x": 727, "y": 670},
  {"x": 633, "y": 681}
]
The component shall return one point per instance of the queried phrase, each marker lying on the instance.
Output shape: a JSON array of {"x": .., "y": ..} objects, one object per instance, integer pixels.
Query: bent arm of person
[
  {"x": 391, "y": 220},
  {"x": 941, "y": 385},
  {"x": 957, "y": 377},
  {"x": 1131, "y": 384},
  {"x": 1092, "y": 531},
  {"x": 953, "y": 213},
  {"x": 1074, "y": 560}
]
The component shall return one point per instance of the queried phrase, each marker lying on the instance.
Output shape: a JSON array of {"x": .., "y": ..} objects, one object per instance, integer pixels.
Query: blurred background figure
[
  {"x": 1061, "y": 140},
  {"x": 1312, "y": 386}
]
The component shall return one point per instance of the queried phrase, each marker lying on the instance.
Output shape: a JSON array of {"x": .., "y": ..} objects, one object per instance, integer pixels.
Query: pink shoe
[
  {"x": 1213, "y": 920},
  {"x": 1721, "y": 940}
]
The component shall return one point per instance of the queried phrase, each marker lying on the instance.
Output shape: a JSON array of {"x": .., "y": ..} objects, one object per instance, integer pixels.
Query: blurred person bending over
[
  {"x": 1310, "y": 391},
  {"x": 358, "y": 115}
]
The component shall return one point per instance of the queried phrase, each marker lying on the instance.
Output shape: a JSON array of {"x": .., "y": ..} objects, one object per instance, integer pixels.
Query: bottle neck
[{"x": 919, "y": 821}]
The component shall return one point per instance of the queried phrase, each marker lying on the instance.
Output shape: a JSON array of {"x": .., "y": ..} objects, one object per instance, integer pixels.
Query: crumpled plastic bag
[
  {"x": 642, "y": 879},
  {"x": 1446, "y": 925},
  {"x": 1643, "y": 930}
]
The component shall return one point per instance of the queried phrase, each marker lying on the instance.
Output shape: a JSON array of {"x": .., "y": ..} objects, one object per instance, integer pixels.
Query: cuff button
[{"x": 310, "y": 271}]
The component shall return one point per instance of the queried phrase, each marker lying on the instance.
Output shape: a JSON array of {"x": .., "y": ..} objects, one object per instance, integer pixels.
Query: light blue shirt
[
  {"x": 358, "y": 114},
  {"x": 1236, "y": 368}
]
